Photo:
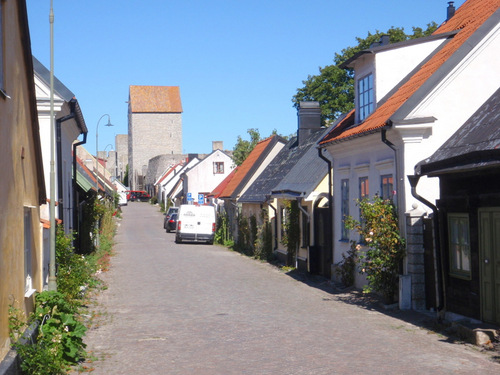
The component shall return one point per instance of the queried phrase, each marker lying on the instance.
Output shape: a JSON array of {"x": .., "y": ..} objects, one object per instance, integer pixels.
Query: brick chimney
[
  {"x": 309, "y": 119},
  {"x": 450, "y": 11}
]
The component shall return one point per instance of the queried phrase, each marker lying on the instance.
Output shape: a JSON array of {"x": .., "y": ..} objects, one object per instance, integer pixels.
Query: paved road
[{"x": 200, "y": 309}]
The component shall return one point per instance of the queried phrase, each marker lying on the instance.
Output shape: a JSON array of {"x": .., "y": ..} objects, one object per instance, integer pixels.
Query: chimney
[
  {"x": 217, "y": 145},
  {"x": 309, "y": 119},
  {"x": 450, "y": 11},
  {"x": 383, "y": 41}
]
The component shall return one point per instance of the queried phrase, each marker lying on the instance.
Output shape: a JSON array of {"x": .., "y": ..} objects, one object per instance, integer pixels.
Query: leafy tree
[
  {"x": 244, "y": 147},
  {"x": 125, "y": 177},
  {"x": 333, "y": 87}
]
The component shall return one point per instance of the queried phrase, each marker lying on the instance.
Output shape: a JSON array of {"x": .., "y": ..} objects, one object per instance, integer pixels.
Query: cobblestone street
[{"x": 200, "y": 309}]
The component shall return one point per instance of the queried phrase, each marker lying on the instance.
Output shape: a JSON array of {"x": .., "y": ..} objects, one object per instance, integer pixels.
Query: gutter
[{"x": 440, "y": 296}]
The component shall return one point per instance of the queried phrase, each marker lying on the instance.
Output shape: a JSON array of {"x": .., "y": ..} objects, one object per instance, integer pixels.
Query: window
[
  {"x": 344, "y": 207},
  {"x": 363, "y": 193},
  {"x": 459, "y": 244},
  {"x": 387, "y": 186},
  {"x": 218, "y": 167},
  {"x": 365, "y": 97},
  {"x": 363, "y": 187},
  {"x": 283, "y": 221}
]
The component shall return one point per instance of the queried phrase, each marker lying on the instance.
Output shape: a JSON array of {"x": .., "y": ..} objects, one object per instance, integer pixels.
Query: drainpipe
[
  {"x": 330, "y": 197},
  {"x": 275, "y": 222},
  {"x": 75, "y": 203},
  {"x": 393, "y": 148},
  {"x": 440, "y": 297},
  {"x": 398, "y": 196}
]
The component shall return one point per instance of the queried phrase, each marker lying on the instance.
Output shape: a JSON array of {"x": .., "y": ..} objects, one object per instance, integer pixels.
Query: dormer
[{"x": 383, "y": 67}]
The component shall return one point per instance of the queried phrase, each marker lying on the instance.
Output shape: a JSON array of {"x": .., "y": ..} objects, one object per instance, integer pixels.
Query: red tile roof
[
  {"x": 467, "y": 19},
  {"x": 220, "y": 188},
  {"x": 155, "y": 99},
  {"x": 170, "y": 170},
  {"x": 245, "y": 167}
]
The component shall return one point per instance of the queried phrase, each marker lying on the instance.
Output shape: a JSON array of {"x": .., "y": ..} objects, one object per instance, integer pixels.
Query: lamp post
[{"x": 97, "y": 150}]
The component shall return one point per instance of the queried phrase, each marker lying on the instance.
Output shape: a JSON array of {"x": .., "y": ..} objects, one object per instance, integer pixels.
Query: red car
[{"x": 138, "y": 195}]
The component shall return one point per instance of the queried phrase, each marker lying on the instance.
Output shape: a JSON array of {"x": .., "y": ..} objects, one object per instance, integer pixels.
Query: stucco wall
[{"x": 20, "y": 178}]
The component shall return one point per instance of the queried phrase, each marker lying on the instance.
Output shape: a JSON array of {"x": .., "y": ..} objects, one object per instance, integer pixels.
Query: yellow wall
[{"x": 19, "y": 182}]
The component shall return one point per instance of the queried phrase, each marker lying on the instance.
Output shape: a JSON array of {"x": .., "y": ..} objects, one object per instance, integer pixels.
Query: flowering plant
[{"x": 385, "y": 248}]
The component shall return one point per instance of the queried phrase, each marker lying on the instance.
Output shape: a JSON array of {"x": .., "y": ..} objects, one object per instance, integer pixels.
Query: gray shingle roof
[
  {"x": 476, "y": 144},
  {"x": 286, "y": 171}
]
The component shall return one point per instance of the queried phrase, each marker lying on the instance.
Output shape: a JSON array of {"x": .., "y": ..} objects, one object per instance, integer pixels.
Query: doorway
[{"x": 489, "y": 263}]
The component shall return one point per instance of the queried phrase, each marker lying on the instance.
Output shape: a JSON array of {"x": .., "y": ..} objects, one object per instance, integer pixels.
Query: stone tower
[{"x": 154, "y": 128}]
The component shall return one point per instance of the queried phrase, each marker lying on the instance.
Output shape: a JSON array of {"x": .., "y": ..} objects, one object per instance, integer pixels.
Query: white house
[
  {"x": 410, "y": 97},
  {"x": 200, "y": 179}
]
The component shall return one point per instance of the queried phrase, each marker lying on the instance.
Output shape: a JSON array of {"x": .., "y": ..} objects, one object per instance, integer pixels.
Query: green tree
[
  {"x": 333, "y": 87},
  {"x": 243, "y": 147},
  {"x": 125, "y": 177}
]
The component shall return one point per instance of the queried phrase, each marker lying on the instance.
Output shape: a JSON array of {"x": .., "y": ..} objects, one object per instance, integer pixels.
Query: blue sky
[{"x": 238, "y": 63}]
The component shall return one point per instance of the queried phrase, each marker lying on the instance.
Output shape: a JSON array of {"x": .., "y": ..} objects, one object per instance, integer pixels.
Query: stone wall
[
  {"x": 150, "y": 135},
  {"x": 415, "y": 258}
]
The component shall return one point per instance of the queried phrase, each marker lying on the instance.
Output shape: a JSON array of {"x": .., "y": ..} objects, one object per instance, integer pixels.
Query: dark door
[
  {"x": 489, "y": 260},
  {"x": 321, "y": 254}
]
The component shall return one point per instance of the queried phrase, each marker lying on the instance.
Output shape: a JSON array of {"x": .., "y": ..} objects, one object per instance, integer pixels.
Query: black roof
[
  {"x": 476, "y": 144},
  {"x": 280, "y": 167},
  {"x": 306, "y": 174}
]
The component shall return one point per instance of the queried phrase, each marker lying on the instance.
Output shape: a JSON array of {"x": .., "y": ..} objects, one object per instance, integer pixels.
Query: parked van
[{"x": 195, "y": 223}]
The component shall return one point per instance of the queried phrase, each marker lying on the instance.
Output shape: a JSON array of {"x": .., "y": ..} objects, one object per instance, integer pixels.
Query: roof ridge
[{"x": 467, "y": 19}]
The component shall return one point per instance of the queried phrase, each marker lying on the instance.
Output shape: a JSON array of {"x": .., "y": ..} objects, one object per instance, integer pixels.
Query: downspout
[
  {"x": 399, "y": 204},
  {"x": 330, "y": 198},
  {"x": 440, "y": 297},
  {"x": 275, "y": 223},
  {"x": 75, "y": 200}
]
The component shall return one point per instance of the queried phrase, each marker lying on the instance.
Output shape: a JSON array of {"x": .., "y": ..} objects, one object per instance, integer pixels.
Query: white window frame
[{"x": 218, "y": 167}]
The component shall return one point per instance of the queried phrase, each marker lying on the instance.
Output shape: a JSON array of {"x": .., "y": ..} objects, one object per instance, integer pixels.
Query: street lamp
[{"x": 97, "y": 150}]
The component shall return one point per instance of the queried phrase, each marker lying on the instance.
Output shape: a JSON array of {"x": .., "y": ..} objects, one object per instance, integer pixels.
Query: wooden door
[{"x": 489, "y": 260}]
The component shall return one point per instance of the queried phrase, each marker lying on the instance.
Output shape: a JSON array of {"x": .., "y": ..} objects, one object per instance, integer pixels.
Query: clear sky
[{"x": 238, "y": 63}]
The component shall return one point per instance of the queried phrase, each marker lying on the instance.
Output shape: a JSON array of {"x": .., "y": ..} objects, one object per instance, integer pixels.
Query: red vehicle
[{"x": 138, "y": 195}]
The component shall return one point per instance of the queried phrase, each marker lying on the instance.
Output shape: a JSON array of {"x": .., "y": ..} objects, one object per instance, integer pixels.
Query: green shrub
[{"x": 385, "y": 248}]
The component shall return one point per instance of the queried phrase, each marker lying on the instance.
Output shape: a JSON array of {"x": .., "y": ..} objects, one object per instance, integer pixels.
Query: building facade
[{"x": 154, "y": 128}]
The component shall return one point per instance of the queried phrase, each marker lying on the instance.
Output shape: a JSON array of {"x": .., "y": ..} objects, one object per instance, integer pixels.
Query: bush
[
  {"x": 59, "y": 341},
  {"x": 379, "y": 228}
]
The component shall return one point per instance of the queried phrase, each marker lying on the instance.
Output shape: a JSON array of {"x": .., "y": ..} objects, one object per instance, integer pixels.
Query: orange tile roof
[
  {"x": 220, "y": 188},
  {"x": 169, "y": 170},
  {"x": 467, "y": 19},
  {"x": 155, "y": 99},
  {"x": 245, "y": 167}
]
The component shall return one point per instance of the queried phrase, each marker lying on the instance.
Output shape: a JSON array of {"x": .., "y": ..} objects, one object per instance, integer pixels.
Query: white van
[{"x": 195, "y": 223}]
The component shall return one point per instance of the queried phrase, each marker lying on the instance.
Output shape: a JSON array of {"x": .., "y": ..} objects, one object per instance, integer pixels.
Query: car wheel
[{"x": 168, "y": 230}]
